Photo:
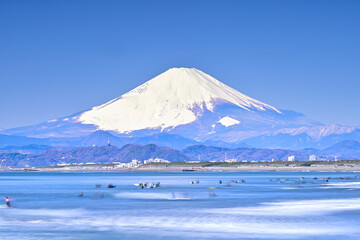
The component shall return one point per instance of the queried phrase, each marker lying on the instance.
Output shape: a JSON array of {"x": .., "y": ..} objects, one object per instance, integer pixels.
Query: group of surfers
[
  {"x": 211, "y": 194},
  {"x": 314, "y": 180},
  {"x": 148, "y": 185}
]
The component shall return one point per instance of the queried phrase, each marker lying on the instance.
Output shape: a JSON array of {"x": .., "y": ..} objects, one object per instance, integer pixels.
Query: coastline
[{"x": 184, "y": 168}]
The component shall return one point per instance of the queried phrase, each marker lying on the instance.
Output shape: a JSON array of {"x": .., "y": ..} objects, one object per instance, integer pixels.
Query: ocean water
[{"x": 270, "y": 205}]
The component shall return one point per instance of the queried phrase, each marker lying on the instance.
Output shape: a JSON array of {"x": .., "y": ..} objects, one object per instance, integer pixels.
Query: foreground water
[{"x": 270, "y": 205}]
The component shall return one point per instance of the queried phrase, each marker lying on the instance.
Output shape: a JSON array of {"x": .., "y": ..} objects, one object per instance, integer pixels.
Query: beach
[{"x": 332, "y": 167}]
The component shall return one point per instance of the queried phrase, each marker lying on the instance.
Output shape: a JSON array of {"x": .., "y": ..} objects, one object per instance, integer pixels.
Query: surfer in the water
[{"x": 7, "y": 201}]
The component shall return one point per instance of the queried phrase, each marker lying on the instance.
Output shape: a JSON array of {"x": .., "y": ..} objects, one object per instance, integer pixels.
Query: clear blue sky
[{"x": 61, "y": 57}]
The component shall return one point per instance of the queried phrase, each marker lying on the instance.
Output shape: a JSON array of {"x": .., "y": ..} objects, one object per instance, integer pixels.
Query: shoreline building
[
  {"x": 312, "y": 158},
  {"x": 291, "y": 158},
  {"x": 156, "y": 160},
  {"x": 133, "y": 164},
  {"x": 231, "y": 160}
]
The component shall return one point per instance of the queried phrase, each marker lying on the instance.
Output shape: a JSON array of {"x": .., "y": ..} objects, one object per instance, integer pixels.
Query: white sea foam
[
  {"x": 180, "y": 223},
  {"x": 290, "y": 188},
  {"x": 65, "y": 213},
  {"x": 344, "y": 185},
  {"x": 147, "y": 195},
  {"x": 295, "y": 208},
  {"x": 206, "y": 225}
]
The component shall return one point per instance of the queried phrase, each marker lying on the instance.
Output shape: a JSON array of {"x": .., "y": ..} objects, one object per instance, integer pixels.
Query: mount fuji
[{"x": 185, "y": 102}]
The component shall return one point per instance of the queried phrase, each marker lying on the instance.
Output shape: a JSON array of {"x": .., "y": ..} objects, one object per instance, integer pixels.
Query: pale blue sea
[{"x": 46, "y": 206}]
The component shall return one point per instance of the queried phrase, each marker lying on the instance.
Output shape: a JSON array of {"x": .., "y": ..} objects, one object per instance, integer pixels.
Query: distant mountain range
[
  {"x": 96, "y": 154},
  {"x": 179, "y": 108},
  {"x": 101, "y": 138},
  {"x": 26, "y": 149},
  {"x": 306, "y": 137},
  {"x": 106, "y": 154}
]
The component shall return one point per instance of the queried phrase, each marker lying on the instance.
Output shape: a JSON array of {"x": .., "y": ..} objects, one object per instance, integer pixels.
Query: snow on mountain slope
[
  {"x": 316, "y": 132},
  {"x": 228, "y": 121},
  {"x": 176, "y": 97},
  {"x": 306, "y": 137}
]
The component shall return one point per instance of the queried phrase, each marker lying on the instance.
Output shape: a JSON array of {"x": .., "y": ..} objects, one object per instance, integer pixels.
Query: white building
[
  {"x": 156, "y": 160},
  {"x": 291, "y": 158},
  {"x": 312, "y": 158},
  {"x": 231, "y": 160},
  {"x": 133, "y": 164},
  {"x": 62, "y": 164}
]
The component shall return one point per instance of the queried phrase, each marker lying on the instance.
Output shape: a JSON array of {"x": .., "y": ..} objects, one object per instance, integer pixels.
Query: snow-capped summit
[
  {"x": 176, "y": 97},
  {"x": 180, "y": 101}
]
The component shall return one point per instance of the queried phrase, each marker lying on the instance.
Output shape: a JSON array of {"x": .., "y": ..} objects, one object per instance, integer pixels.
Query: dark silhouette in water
[{"x": 212, "y": 194}]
